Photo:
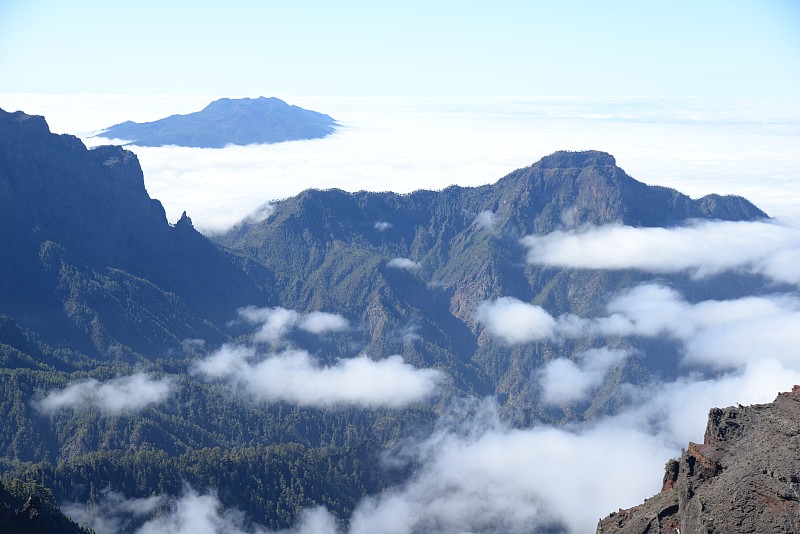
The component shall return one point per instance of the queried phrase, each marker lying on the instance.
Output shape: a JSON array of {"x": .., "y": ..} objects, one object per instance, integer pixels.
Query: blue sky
[{"x": 350, "y": 48}]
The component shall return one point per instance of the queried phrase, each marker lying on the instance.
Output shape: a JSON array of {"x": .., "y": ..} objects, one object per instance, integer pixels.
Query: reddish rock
[{"x": 743, "y": 479}]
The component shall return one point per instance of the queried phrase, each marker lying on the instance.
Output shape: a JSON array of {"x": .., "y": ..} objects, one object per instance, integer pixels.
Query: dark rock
[{"x": 743, "y": 478}]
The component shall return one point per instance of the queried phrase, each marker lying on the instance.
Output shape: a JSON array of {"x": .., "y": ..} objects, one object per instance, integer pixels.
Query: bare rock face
[{"x": 743, "y": 478}]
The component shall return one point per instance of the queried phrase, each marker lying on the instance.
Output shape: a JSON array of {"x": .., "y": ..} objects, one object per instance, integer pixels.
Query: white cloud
[
  {"x": 112, "y": 513},
  {"x": 489, "y": 478},
  {"x": 293, "y": 376},
  {"x": 702, "y": 248},
  {"x": 515, "y": 321},
  {"x": 402, "y": 263},
  {"x": 407, "y": 144},
  {"x": 408, "y": 334},
  {"x": 476, "y": 474},
  {"x": 197, "y": 514},
  {"x": 276, "y": 323},
  {"x": 261, "y": 213},
  {"x": 564, "y": 381},
  {"x": 125, "y": 394},
  {"x": 322, "y": 322},
  {"x": 382, "y": 226},
  {"x": 722, "y": 334},
  {"x": 486, "y": 220},
  {"x": 190, "y": 513}
]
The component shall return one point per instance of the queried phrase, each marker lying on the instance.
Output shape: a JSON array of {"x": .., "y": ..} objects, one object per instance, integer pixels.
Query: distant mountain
[
  {"x": 89, "y": 260},
  {"x": 332, "y": 250},
  {"x": 743, "y": 478},
  {"x": 226, "y": 121}
]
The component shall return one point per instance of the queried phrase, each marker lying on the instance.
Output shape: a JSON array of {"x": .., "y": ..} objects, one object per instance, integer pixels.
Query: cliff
[
  {"x": 90, "y": 261},
  {"x": 743, "y": 479}
]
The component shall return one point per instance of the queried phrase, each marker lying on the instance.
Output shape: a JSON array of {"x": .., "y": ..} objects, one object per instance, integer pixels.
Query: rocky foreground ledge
[{"x": 743, "y": 478}]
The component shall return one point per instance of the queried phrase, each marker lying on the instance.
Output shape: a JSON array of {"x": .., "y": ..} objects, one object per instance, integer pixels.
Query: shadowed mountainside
[{"x": 89, "y": 259}]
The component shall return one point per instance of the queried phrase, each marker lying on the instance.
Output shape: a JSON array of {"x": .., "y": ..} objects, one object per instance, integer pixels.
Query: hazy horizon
[{"x": 697, "y": 146}]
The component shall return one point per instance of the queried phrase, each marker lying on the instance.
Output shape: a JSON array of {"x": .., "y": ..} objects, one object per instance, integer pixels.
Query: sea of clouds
[
  {"x": 697, "y": 146},
  {"x": 474, "y": 472}
]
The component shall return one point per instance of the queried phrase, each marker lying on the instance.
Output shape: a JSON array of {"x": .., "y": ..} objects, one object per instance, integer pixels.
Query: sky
[{"x": 359, "y": 48}]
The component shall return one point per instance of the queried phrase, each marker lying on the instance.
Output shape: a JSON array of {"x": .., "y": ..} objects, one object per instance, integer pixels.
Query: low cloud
[
  {"x": 409, "y": 334},
  {"x": 112, "y": 513},
  {"x": 322, "y": 323},
  {"x": 191, "y": 513},
  {"x": 382, "y": 226},
  {"x": 564, "y": 381},
  {"x": 486, "y": 220},
  {"x": 293, "y": 376},
  {"x": 478, "y": 475},
  {"x": 703, "y": 248},
  {"x": 723, "y": 334},
  {"x": 402, "y": 263},
  {"x": 481, "y": 476},
  {"x": 515, "y": 321},
  {"x": 474, "y": 473},
  {"x": 126, "y": 394},
  {"x": 276, "y": 323},
  {"x": 261, "y": 213}
]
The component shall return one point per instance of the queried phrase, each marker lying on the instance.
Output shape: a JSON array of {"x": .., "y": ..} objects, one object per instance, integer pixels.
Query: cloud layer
[
  {"x": 703, "y": 248},
  {"x": 695, "y": 146},
  {"x": 721, "y": 334},
  {"x": 293, "y": 376},
  {"x": 191, "y": 513},
  {"x": 563, "y": 380},
  {"x": 120, "y": 395}
]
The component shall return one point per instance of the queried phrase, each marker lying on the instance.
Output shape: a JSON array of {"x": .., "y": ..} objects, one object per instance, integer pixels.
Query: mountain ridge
[{"x": 80, "y": 225}]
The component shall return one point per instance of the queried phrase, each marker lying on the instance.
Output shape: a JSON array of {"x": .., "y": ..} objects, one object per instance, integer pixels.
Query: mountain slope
[
  {"x": 743, "y": 478},
  {"x": 226, "y": 121},
  {"x": 332, "y": 250},
  {"x": 89, "y": 259}
]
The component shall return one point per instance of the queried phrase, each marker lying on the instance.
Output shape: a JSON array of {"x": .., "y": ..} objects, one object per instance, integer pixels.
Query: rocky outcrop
[{"x": 743, "y": 479}]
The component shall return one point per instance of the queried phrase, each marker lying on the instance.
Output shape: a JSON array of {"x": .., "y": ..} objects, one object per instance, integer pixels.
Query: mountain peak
[
  {"x": 567, "y": 159},
  {"x": 238, "y": 103},
  {"x": 31, "y": 122}
]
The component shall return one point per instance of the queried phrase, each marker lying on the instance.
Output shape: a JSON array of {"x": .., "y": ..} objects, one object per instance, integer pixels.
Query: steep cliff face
[
  {"x": 743, "y": 479},
  {"x": 89, "y": 260}
]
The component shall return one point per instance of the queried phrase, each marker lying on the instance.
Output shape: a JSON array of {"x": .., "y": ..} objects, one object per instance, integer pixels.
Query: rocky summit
[{"x": 743, "y": 479}]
